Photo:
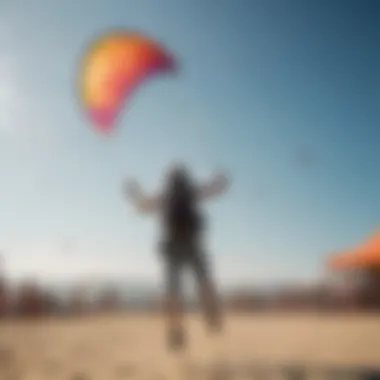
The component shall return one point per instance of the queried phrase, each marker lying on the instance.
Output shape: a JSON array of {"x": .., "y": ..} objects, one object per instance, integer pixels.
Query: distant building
[
  {"x": 109, "y": 300},
  {"x": 4, "y": 298},
  {"x": 247, "y": 300},
  {"x": 79, "y": 300},
  {"x": 361, "y": 270},
  {"x": 29, "y": 300},
  {"x": 5, "y": 301}
]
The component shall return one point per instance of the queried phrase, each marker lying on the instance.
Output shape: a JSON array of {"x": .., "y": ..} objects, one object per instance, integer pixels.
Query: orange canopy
[{"x": 366, "y": 256}]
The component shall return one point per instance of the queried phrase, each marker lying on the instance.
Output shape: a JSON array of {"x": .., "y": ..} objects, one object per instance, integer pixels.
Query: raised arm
[
  {"x": 217, "y": 186},
  {"x": 142, "y": 203}
]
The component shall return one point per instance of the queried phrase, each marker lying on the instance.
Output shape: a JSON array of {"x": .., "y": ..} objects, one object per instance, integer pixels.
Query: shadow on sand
[
  {"x": 224, "y": 370},
  {"x": 265, "y": 371}
]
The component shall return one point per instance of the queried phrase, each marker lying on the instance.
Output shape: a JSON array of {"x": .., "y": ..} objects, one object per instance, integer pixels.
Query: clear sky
[{"x": 282, "y": 94}]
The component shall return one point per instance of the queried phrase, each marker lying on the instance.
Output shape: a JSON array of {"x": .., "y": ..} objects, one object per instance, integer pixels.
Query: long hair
[
  {"x": 179, "y": 179},
  {"x": 180, "y": 211}
]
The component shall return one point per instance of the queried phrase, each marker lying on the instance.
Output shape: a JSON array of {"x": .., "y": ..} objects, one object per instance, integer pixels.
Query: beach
[{"x": 132, "y": 346}]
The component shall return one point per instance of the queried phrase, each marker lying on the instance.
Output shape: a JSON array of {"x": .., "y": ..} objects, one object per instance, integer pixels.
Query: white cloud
[
  {"x": 251, "y": 272},
  {"x": 24, "y": 121},
  {"x": 76, "y": 267},
  {"x": 86, "y": 268},
  {"x": 46, "y": 264},
  {"x": 10, "y": 100}
]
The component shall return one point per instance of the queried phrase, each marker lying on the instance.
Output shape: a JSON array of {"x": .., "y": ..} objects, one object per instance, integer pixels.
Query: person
[{"x": 182, "y": 226}]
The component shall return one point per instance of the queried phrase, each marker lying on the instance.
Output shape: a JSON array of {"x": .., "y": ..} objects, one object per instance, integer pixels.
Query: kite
[{"x": 114, "y": 66}]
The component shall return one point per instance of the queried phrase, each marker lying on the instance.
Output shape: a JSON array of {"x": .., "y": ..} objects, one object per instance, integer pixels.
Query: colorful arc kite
[{"x": 114, "y": 66}]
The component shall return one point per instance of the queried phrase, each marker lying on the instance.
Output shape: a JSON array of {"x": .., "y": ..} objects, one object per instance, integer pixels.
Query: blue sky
[{"x": 260, "y": 83}]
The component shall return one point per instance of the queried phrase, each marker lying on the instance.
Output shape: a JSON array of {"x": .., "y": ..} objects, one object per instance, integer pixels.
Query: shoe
[
  {"x": 214, "y": 322},
  {"x": 176, "y": 339}
]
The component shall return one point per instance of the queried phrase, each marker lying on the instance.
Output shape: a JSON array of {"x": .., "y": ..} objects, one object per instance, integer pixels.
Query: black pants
[{"x": 180, "y": 255}]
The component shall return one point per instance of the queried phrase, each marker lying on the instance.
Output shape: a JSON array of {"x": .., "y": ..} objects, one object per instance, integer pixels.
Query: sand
[{"x": 133, "y": 346}]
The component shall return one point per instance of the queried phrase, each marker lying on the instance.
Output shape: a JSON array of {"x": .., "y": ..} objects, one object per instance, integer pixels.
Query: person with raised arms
[{"x": 181, "y": 245}]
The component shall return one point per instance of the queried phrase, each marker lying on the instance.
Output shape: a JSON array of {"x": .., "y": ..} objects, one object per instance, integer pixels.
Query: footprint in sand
[
  {"x": 6, "y": 357},
  {"x": 79, "y": 376},
  {"x": 52, "y": 367},
  {"x": 126, "y": 371}
]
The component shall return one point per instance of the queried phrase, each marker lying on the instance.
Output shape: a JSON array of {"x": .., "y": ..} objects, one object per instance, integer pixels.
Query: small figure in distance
[{"x": 181, "y": 246}]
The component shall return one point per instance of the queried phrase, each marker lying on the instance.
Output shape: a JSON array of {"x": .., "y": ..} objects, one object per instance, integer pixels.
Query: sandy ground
[{"x": 133, "y": 346}]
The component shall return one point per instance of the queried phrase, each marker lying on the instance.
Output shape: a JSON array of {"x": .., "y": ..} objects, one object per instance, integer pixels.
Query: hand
[
  {"x": 220, "y": 180},
  {"x": 132, "y": 189}
]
